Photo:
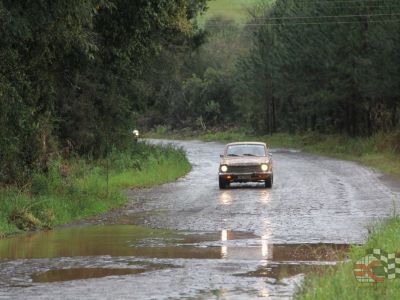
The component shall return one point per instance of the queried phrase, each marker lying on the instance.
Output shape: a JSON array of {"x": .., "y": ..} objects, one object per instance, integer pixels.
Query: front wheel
[
  {"x": 223, "y": 184},
  {"x": 269, "y": 182}
]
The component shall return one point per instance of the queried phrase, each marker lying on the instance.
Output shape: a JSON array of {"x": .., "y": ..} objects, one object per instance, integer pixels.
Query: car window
[{"x": 245, "y": 150}]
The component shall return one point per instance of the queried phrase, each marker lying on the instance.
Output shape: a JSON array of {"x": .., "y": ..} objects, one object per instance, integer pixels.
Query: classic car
[{"x": 246, "y": 162}]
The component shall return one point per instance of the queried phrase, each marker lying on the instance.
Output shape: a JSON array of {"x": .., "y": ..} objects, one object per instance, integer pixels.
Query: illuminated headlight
[
  {"x": 135, "y": 132},
  {"x": 224, "y": 168},
  {"x": 264, "y": 167}
]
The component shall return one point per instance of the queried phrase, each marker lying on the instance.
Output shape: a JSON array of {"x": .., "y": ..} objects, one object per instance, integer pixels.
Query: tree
[
  {"x": 324, "y": 66},
  {"x": 71, "y": 73}
]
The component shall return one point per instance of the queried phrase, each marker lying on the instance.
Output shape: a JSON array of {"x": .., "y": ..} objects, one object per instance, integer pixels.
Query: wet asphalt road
[{"x": 314, "y": 200}]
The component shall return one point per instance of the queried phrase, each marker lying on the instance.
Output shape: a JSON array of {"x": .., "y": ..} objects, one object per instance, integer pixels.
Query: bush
[
  {"x": 88, "y": 187},
  {"x": 39, "y": 185}
]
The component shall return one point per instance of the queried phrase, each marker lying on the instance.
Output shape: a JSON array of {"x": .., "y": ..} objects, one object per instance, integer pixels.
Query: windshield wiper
[
  {"x": 248, "y": 154},
  {"x": 232, "y": 155}
]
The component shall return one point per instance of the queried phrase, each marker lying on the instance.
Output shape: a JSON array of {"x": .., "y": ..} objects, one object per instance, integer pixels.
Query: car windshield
[{"x": 245, "y": 150}]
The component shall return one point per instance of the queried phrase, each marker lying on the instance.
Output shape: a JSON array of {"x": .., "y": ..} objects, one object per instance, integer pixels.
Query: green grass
[
  {"x": 78, "y": 188},
  {"x": 340, "y": 283},
  {"x": 229, "y": 9}
]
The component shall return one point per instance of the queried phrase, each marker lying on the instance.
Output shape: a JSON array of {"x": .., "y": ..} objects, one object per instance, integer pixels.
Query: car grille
[{"x": 244, "y": 169}]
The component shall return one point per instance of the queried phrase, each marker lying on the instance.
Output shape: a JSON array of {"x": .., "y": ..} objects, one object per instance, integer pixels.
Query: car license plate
[{"x": 244, "y": 177}]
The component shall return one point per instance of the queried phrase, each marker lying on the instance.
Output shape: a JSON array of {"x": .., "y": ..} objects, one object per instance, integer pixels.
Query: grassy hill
[{"x": 230, "y": 9}]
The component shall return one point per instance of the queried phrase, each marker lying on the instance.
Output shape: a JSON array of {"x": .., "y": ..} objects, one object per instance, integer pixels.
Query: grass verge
[
  {"x": 80, "y": 188},
  {"x": 340, "y": 283}
]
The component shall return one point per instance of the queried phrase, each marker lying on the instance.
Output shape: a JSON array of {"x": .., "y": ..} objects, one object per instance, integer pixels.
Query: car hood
[{"x": 244, "y": 160}]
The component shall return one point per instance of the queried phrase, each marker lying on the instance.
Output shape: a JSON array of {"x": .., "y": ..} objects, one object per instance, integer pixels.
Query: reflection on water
[
  {"x": 265, "y": 196},
  {"x": 262, "y": 252},
  {"x": 81, "y": 273},
  {"x": 113, "y": 240},
  {"x": 266, "y": 251},
  {"x": 263, "y": 293},
  {"x": 272, "y": 261},
  {"x": 116, "y": 240},
  {"x": 282, "y": 271},
  {"x": 225, "y": 198},
  {"x": 126, "y": 240},
  {"x": 224, "y": 248},
  {"x": 266, "y": 247},
  {"x": 68, "y": 274},
  {"x": 224, "y": 235}
]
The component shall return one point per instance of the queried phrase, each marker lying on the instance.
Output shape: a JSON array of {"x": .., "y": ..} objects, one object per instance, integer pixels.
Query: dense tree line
[
  {"x": 295, "y": 66},
  {"x": 77, "y": 76},
  {"x": 72, "y": 73},
  {"x": 199, "y": 92},
  {"x": 327, "y": 66},
  {"x": 196, "y": 90}
]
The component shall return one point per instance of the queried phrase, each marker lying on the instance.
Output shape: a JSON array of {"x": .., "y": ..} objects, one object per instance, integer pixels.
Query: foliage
[
  {"x": 340, "y": 282},
  {"x": 322, "y": 66},
  {"x": 79, "y": 188},
  {"x": 72, "y": 73},
  {"x": 197, "y": 91}
]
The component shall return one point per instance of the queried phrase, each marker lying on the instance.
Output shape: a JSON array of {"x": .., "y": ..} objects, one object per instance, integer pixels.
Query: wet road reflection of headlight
[
  {"x": 224, "y": 235},
  {"x": 265, "y": 197},
  {"x": 265, "y": 245},
  {"x": 263, "y": 293},
  {"x": 225, "y": 198},
  {"x": 224, "y": 248},
  {"x": 263, "y": 251}
]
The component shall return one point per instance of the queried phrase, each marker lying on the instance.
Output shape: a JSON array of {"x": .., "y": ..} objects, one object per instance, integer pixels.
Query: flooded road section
[
  {"x": 124, "y": 261},
  {"x": 241, "y": 243}
]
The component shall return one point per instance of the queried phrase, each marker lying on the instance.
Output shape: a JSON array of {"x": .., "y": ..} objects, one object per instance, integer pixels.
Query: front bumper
[{"x": 245, "y": 177}]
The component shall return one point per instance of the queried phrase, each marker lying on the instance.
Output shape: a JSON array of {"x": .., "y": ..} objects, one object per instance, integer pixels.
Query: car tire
[
  {"x": 269, "y": 182},
  {"x": 223, "y": 184}
]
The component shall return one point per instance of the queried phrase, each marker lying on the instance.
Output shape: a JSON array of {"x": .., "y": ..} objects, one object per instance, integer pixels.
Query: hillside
[{"x": 230, "y": 9}]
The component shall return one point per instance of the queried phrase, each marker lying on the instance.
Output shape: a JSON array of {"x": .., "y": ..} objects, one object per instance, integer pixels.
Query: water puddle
[
  {"x": 310, "y": 252},
  {"x": 282, "y": 271},
  {"x": 139, "y": 249},
  {"x": 82, "y": 273},
  {"x": 127, "y": 240},
  {"x": 115, "y": 240}
]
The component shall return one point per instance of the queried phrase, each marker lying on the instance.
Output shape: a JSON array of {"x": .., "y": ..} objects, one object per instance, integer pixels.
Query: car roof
[{"x": 247, "y": 143}]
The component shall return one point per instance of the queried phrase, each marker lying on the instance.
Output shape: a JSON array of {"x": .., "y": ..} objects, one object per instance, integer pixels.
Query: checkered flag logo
[
  {"x": 377, "y": 266},
  {"x": 389, "y": 261}
]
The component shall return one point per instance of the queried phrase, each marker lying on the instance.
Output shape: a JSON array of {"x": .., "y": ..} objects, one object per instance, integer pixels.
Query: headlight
[
  {"x": 224, "y": 168},
  {"x": 264, "y": 167},
  {"x": 135, "y": 132}
]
